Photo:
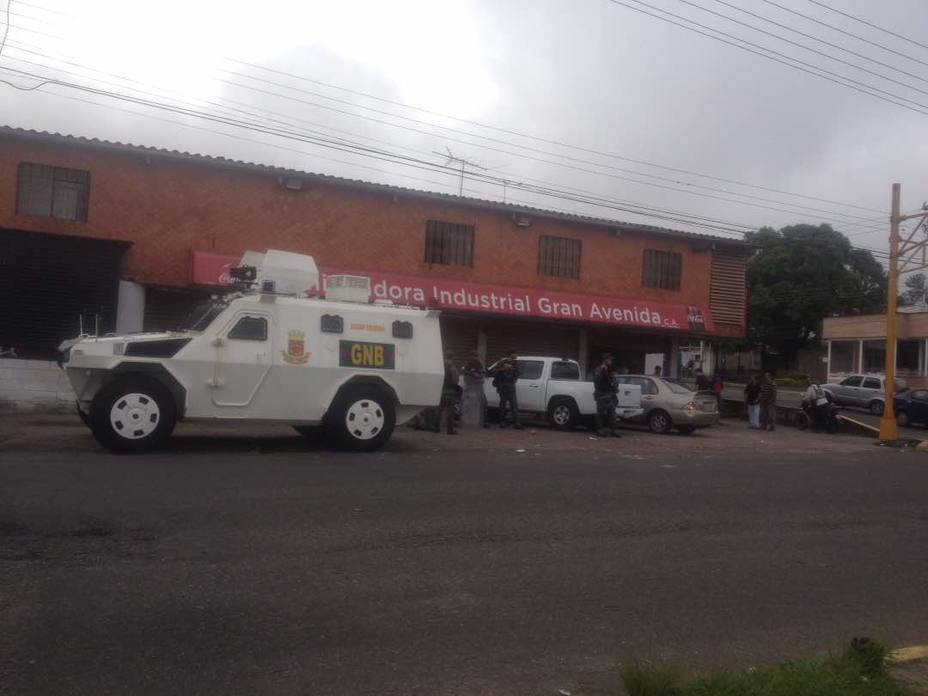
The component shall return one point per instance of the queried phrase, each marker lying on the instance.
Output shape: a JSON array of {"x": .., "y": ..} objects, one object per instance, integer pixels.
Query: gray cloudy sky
[{"x": 589, "y": 73}]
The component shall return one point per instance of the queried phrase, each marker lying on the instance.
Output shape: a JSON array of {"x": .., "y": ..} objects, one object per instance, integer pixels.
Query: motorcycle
[{"x": 822, "y": 414}]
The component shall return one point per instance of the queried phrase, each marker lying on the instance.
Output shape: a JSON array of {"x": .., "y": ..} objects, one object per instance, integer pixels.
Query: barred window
[
  {"x": 559, "y": 257},
  {"x": 662, "y": 269},
  {"x": 52, "y": 192},
  {"x": 449, "y": 244}
]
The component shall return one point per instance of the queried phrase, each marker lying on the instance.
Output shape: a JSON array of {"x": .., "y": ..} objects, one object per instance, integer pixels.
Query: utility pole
[
  {"x": 888, "y": 431},
  {"x": 463, "y": 162},
  {"x": 913, "y": 253}
]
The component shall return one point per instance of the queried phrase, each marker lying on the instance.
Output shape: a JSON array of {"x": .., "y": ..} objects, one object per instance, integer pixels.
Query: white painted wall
[
  {"x": 130, "y": 307},
  {"x": 34, "y": 385}
]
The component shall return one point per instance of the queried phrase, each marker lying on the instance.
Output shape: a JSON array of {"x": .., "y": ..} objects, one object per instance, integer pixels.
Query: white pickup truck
[{"x": 552, "y": 386}]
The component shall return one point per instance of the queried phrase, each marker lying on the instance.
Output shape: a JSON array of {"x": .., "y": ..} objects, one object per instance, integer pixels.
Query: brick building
[{"x": 120, "y": 237}]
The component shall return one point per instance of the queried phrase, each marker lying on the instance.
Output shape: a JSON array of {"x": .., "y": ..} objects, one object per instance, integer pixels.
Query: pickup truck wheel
[
  {"x": 362, "y": 418},
  {"x": 659, "y": 422},
  {"x": 563, "y": 414},
  {"x": 132, "y": 414},
  {"x": 876, "y": 408}
]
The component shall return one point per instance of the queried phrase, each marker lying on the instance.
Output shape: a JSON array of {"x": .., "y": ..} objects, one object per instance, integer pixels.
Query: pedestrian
[
  {"x": 657, "y": 370},
  {"x": 474, "y": 373},
  {"x": 690, "y": 366},
  {"x": 717, "y": 387},
  {"x": 702, "y": 382},
  {"x": 768, "y": 403},
  {"x": 505, "y": 376},
  {"x": 604, "y": 392},
  {"x": 450, "y": 392},
  {"x": 751, "y": 395}
]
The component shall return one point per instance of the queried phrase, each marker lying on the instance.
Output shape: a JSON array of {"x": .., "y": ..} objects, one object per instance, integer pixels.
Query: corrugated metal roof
[{"x": 228, "y": 163}]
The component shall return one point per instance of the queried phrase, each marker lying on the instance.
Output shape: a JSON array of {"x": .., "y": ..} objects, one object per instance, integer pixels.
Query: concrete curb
[{"x": 908, "y": 654}]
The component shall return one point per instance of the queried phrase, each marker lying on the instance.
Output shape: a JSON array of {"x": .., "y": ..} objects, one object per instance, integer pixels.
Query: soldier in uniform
[
  {"x": 605, "y": 391},
  {"x": 450, "y": 391},
  {"x": 505, "y": 376}
]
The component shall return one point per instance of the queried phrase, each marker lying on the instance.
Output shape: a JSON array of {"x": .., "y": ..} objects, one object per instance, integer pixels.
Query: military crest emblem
[{"x": 296, "y": 353}]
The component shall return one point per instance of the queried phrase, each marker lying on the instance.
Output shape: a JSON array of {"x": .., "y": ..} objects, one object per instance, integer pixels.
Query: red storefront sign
[{"x": 213, "y": 269}]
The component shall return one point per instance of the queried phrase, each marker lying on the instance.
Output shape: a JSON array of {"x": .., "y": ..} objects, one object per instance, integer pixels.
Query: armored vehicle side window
[
  {"x": 249, "y": 329},
  {"x": 332, "y": 323},
  {"x": 402, "y": 329}
]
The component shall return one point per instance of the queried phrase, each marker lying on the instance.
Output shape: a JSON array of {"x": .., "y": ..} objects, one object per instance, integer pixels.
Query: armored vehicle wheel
[
  {"x": 132, "y": 414},
  {"x": 361, "y": 418}
]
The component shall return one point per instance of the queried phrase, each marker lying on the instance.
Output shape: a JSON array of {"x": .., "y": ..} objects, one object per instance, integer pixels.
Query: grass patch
[{"x": 858, "y": 670}]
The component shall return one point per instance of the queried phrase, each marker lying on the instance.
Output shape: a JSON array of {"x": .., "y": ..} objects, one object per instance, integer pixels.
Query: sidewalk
[{"x": 25, "y": 433}]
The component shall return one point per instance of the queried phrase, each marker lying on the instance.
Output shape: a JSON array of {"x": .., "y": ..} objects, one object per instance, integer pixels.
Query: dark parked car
[{"x": 912, "y": 407}]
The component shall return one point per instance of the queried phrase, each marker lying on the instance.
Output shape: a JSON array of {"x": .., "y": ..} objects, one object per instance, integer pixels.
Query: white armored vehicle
[{"x": 266, "y": 353}]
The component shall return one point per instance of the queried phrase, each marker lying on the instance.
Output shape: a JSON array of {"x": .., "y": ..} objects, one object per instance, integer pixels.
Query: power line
[
  {"x": 869, "y": 24},
  {"x": 874, "y": 252},
  {"x": 367, "y": 152},
  {"x": 812, "y": 50},
  {"x": 846, "y": 33},
  {"x": 118, "y": 96},
  {"x": 821, "y": 40},
  {"x": 784, "y": 59},
  {"x": 518, "y": 134},
  {"x": 6, "y": 29},
  {"x": 795, "y": 207},
  {"x": 652, "y": 208}
]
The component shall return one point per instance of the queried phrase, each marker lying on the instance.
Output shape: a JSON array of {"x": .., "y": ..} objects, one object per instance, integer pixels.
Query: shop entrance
[{"x": 634, "y": 353}]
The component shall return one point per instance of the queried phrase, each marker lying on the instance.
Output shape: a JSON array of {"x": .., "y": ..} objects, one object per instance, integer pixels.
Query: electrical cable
[
  {"x": 821, "y": 40},
  {"x": 869, "y": 24},
  {"x": 796, "y": 208},
  {"x": 517, "y": 133},
  {"x": 823, "y": 73},
  {"x": 843, "y": 31},
  {"x": 6, "y": 28}
]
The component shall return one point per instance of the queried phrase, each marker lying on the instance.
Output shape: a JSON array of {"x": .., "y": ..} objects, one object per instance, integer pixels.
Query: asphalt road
[{"x": 259, "y": 563}]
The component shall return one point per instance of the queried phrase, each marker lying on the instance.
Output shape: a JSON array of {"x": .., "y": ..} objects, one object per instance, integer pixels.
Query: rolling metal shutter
[
  {"x": 458, "y": 335},
  {"x": 48, "y": 282},
  {"x": 531, "y": 339},
  {"x": 726, "y": 297}
]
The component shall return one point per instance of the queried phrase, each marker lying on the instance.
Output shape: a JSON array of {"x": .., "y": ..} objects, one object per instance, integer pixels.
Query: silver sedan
[{"x": 669, "y": 405}]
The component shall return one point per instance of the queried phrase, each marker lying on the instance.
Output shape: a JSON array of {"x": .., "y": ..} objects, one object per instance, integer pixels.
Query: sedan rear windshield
[{"x": 676, "y": 388}]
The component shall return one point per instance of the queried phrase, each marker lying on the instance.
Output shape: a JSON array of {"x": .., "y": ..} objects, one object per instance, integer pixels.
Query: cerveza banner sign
[{"x": 212, "y": 269}]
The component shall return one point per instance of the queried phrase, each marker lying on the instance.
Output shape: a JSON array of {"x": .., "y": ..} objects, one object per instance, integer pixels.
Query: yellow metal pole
[{"x": 888, "y": 431}]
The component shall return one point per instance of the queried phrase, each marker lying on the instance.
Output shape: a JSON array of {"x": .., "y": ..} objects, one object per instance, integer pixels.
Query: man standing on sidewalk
[
  {"x": 604, "y": 391},
  {"x": 505, "y": 376},
  {"x": 768, "y": 403},
  {"x": 751, "y": 395}
]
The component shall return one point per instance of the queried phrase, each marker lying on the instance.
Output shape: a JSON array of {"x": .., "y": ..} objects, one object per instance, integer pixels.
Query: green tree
[
  {"x": 801, "y": 274},
  {"x": 915, "y": 290}
]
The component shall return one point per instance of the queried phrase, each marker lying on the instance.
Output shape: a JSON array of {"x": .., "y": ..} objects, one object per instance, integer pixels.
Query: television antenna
[{"x": 465, "y": 163}]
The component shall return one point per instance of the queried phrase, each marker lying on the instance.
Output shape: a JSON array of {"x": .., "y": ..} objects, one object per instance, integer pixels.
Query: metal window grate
[
  {"x": 661, "y": 269},
  {"x": 52, "y": 192},
  {"x": 449, "y": 244},
  {"x": 559, "y": 257}
]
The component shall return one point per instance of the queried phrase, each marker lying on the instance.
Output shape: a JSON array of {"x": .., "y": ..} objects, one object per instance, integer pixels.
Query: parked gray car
[
  {"x": 668, "y": 405},
  {"x": 862, "y": 391}
]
